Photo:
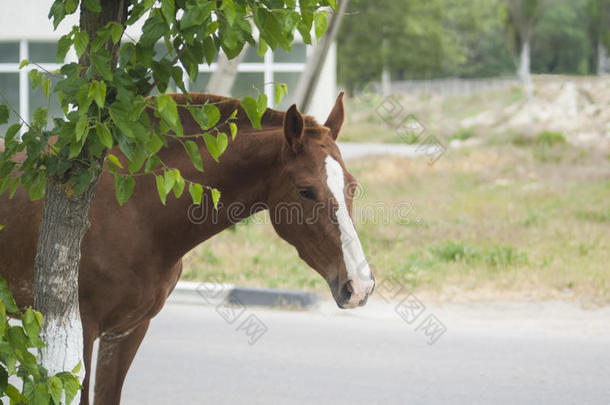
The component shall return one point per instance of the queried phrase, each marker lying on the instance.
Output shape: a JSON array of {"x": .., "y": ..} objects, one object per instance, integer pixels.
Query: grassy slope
[{"x": 495, "y": 221}]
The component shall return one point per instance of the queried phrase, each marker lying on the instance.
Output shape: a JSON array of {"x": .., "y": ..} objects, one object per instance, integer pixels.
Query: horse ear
[
  {"x": 294, "y": 128},
  {"x": 335, "y": 119}
]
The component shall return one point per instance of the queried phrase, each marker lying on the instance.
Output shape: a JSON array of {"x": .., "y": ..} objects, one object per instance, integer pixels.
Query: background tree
[
  {"x": 420, "y": 39},
  {"x": 104, "y": 100},
  {"x": 598, "y": 21},
  {"x": 521, "y": 18},
  {"x": 561, "y": 42}
]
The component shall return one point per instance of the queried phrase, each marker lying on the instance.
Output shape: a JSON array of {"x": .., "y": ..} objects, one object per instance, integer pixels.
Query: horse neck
[{"x": 242, "y": 175}]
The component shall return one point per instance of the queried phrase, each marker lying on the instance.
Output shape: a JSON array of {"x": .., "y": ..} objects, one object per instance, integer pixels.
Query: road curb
[{"x": 188, "y": 292}]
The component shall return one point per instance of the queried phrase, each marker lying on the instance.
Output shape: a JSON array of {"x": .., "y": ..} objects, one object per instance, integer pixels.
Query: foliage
[
  {"x": 597, "y": 18},
  {"x": 441, "y": 38},
  {"x": 104, "y": 97},
  {"x": 16, "y": 342},
  {"x": 421, "y": 39},
  {"x": 561, "y": 43}
]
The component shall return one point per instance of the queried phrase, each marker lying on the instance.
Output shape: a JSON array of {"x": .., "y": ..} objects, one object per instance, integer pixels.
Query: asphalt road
[{"x": 551, "y": 353}]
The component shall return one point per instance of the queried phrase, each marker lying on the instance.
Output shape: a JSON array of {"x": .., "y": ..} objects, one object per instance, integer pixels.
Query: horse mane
[{"x": 271, "y": 118}]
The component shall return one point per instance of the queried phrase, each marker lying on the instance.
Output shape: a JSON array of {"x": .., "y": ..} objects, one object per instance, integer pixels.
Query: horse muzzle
[{"x": 354, "y": 294}]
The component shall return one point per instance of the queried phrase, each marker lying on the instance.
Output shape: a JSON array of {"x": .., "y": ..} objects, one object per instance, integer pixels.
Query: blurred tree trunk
[
  {"x": 386, "y": 85},
  {"x": 525, "y": 62},
  {"x": 310, "y": 76},
  {"x": 602, "y": 58},
  {"x": 222, "y": 80}
]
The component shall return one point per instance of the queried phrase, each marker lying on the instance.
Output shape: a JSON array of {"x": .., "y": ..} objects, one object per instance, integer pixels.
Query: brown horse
[{"x": 131, "y": 256}]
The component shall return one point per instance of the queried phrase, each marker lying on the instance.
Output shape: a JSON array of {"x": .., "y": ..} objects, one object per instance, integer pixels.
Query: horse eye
[{"x": 307, "y": 193}]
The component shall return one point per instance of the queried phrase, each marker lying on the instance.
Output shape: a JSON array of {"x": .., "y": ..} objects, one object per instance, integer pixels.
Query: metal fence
[{"x": 452, "y": 86}]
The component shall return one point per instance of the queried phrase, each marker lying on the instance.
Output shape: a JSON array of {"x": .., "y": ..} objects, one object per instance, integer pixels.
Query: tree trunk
[
  {"x": 64, "y": 224},
  {"x": 310, "y": 76},
  {"x": 524, "y": 62},
  {"x": 602, "y": 58},
  {"x": 222, "y": 80},
  {"x": 386, "y": 86}
]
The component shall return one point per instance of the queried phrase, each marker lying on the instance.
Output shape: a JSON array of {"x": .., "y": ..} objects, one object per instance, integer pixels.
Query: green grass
[
  {"x": 463, "y": 134},
  {"x": 486, "y": 222}
]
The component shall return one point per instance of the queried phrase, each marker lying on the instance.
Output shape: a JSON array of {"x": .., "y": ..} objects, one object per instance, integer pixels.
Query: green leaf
[
  {"x": 160, "y": 180},
  {"x": 82, "y": 128},
  {"x": 3, "y": 379},
  {"x": 75, "y": 148},
  {"x": 40, "y": 116},
  {"x": 4, "y": 113},
  {"x": 41, "y": 395},
  {"x": 104, "y": 135},
  {"x": 81, "y": 40},
  {"x": 229, "y": 10},
  {"x": 1, "y": 227},
  {"x": 151, "y": 163},
  {"x": 167, "y": 108},
  {"x": 233, "y": 128},
  {"x": 321, "y": 22},
  {"x": 115, "y": 161},
  {"x": 97, "y": 91},
  {"x": 123, "y": 186},
  {"x": 38, "y": 187},
  {"x": 84, "y": 99},
  {"x": 261, "y": 104},
  {"x": 262, "y": 48},
  {"x": 46, "y": 87},
  {"x": 169, "y": 180},
  {"x": 101, "y": 63},
  {"x": 56, "y": 388},
  {"x": 196, "y": 13},
  {"x": 210, "y": 143},
  {"x": 116, "y": 31},
  {"x": 196, "y": 192},
  {"x": 14, "y": 185},
  {"x": 250, "y": 107},
  {"x": 206, "y": 116},
  {"x": 35, "y": 78},
  {"x": 178, "y": 186},
  {"x": 168, "y": 8},
  {"x": 222, "y": 141},
  {"x": 16, "y": 397},
  {"x": 31, "y": 326},
  {"x": 154, "y": 28},
  {"x": 215, "y": 197},
  {"x": 71, "y": 386},
  {"x": 193, "y": 151},
  {"x": 23, "y": 63},
  {"x": 93, "y": 5},
  {"x": 71, "y": 6},
  {"x": 281, "y": 89},
  {"x": 11, "y": 132},
  {"x": 7, "y": 297}
]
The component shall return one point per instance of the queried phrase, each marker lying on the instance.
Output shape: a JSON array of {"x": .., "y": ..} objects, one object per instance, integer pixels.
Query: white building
[{"x": 26, "y": 33}]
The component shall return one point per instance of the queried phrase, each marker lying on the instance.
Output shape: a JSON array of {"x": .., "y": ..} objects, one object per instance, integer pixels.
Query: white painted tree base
[{"x": 64, "y": 346}]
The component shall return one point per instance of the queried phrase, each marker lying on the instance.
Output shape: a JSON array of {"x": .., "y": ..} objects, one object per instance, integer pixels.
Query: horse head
[{"x": 311, "y": 205}]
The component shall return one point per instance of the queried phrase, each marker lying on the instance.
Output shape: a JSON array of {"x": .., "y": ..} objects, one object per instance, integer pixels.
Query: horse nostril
[{"x": 346, "y": 291}]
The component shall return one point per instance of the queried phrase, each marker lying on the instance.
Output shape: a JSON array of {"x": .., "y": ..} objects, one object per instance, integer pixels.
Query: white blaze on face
[{"x": 358, "y": 269}]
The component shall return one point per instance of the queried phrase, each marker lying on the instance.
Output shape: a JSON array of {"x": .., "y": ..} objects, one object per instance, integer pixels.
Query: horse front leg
[
  {"x": 114, "y": 358},
  {"x": 88, "y": 340}
]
